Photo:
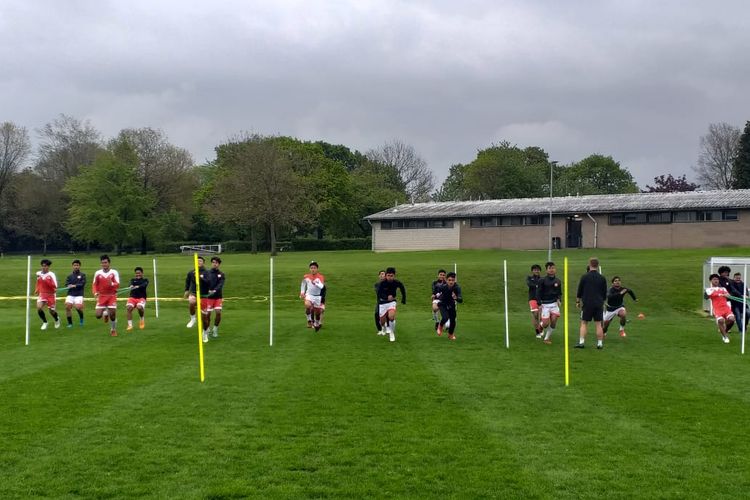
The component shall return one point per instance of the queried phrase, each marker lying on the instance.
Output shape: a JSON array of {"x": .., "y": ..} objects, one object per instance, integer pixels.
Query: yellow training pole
[
  {"x": 200, "y": 316},
  {"x": 565, "y": 322}
]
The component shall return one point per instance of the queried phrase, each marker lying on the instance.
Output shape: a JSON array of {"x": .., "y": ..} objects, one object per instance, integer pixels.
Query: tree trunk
[
  {"x": 272, "y": 228},
  {"x": 44, "y": 246},
  {"x": 144, "y": 243},
  {"x": 253, "y": 240}
]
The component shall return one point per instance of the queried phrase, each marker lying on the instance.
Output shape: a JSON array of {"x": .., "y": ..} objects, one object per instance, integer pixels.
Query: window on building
[
  {"x": 659, "y": 217},
  {"x": 635, "y": 218},
  {"x": 730, "y": 215},
  {"x": 417, "y": 224}
]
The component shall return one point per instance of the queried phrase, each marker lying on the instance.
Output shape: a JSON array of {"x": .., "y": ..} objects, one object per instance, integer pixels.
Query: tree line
[{"x": 137, "y": 191}]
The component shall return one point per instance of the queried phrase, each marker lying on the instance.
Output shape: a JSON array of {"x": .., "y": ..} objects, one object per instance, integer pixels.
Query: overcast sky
[{"x": 637, "y": 80}]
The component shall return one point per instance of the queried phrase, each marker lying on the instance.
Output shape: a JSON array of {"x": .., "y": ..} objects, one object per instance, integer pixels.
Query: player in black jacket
[
  {"x": 615, "y": 308},
  {"x": 435, "y": 302},
  {"x": 75, "y": 283},
  {"x": 548, "y": 295},
  {"x": 532, "y": 282},
  {"x": 137, "y": 299},
  {"x": 387, "y": 290},
  {"x": 592, "y": 292},
  {"x": 190, "y": 289},
  {"x": 448, "y": 294}
]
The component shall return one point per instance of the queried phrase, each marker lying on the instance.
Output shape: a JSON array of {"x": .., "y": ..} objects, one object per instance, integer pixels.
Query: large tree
[
  {"x": 670, "y": 184},
  {"x": 595, "y": 174},
  {"x": 15, "y": 147},
  {"x": 165, "y": 171},
  {"x": 108, "y": 205},
  {"x": 256, "y": 185},
  {"x": 412, "y": 169},
  {"x": 65, "y": 145},
  {"x": 452, "y": 188},
  {"x": 505, "y": 171},
  {"x": 718, "y": 149},
  {"x": 741, "y": 164}
]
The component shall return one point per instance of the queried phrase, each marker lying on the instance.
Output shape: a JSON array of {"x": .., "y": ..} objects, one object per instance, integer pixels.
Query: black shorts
[{"x": 592, "y": 313}]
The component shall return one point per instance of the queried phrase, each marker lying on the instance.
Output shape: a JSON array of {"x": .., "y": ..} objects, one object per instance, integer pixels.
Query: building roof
[{"x": 607, "y": 203}]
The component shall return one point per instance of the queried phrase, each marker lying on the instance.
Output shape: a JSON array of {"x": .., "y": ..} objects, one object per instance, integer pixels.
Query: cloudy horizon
[{"x": 638, "y": 81}]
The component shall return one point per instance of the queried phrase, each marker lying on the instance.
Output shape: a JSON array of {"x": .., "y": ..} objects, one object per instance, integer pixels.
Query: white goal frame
[{"x": 201, "y": 249}]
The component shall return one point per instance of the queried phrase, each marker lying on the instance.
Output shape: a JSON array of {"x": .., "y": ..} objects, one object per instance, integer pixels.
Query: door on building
[{"x": 574, "y": 232}]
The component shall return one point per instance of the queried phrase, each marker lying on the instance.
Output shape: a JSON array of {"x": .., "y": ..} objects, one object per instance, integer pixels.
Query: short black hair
[
  {"x": 549, "y": 264},
  {"x": 713, "y": 276},
  {"x": 200, "y": 257},
  {"x": 390, "y": 270},
  {"x": 615, "y": 278},
  {"x": 724, "y": 269},
  {"x": 441, "y": 271},
  {"x": 313, "y": 263},
  {"x": 104, "y": 257},
  {"x": 46, "y": 262},
  {"x": 76, "y": 262},
  {"x": 450, "y": 275},
  {"x": 139, "y": 268},
  {"x": 738, "y": 274},
  {"x": 536, "y": 266},
  {"x": 217, "y": 259}
]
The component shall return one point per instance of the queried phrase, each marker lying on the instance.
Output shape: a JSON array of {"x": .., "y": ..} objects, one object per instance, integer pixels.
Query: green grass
[{"x": 345, "y": 413}]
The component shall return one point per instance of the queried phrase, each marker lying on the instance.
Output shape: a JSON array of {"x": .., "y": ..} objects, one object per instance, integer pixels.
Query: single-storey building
[{"x": 643, "y": 220}]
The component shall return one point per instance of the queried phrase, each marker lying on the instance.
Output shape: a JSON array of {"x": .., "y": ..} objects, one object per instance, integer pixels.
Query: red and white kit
[
  {"x": 106, "y": 284},
  {"x": 312, "y": 287},
  {"x": 46, "y": 286},
  {"x": 719, "y": 301}
]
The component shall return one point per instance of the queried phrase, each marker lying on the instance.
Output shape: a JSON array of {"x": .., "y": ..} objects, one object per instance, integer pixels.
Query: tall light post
[{"x": 549, "y": 237}]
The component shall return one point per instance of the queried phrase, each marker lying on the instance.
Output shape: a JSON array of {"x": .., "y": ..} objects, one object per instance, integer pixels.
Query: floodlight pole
[{"x": 549, "y": 237}]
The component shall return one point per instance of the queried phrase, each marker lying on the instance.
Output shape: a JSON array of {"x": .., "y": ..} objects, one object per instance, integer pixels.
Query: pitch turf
[{"x": 345, "y": 413}]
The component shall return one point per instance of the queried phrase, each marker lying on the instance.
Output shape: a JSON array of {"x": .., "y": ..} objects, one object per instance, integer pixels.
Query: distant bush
[{"x": 307, "y": 244}]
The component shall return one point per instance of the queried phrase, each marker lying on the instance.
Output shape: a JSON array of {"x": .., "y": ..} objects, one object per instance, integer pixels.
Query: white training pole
[
  {"x": 156, "y": 291},
  {"x": 270, "y": 305},
  {"x": 28, "y": 296},
  {"x": 505, "y": 279},
  {"x": 744, "y": 307}
]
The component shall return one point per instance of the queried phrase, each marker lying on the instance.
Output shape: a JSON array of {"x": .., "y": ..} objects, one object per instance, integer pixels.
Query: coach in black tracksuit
[{"x": 592, "y": 292}]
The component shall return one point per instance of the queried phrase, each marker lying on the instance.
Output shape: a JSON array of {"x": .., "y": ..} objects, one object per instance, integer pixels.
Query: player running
[
  {"x": 548, "y": 294},
  {"x": 532, "y": 282},
  {"x": 448, "y": 294},
  {"x": 75, "y": 283},
  {"x": 387, "y": 301},
  {"x": 105, "y": 283},
  {"x": 720, "y": 306},
  {"x": 435, "y": 301},
  {"x": 137, "y": 299},
  {"x": 615, "y": 308},
  {"x": 215, "y": 297},
  {"x": 46, "y": 288},
  {"x": 311, "y": 290},
  {"x": 190, "y": 290}
]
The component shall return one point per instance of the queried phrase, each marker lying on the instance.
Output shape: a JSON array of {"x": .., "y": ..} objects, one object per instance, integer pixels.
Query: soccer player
[
  {"x": 532, "y": 282},
  {"x": 387, "y": 301},
  {"x": 592, "y": 292},
  {"x": 311, "y": 290},
  {"x": 105, "y": 283},
  {"x": 190, "y": 290},
  {"x": 75, "y": 282},
  {"x": 378, "y": 326},
  {"x": 720, "y": 305},
  {"x": 548, "y": 294},
  {"x": 615, "y": 308},
  {"x": 46, "y": 287},
  {"x": 435, "y": 301},
  {"x": 448, "y": 294},
  {"x": 215, "y": 298},
  {"x": 137, "y": 299}
]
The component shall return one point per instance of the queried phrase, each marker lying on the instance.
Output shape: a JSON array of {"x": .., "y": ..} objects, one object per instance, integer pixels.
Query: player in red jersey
[
  {"x": 312, "y": 290},
  {"x": 105, "y": 284},
  {"x": 46, "y": 287},
  {"x": 720, "y": 306}
]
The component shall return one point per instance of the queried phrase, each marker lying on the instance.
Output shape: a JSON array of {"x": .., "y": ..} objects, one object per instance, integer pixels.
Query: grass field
[{"x": 345, "y": 413}]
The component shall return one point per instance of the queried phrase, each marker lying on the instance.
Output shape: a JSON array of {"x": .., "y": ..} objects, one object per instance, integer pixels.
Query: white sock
[
  {"x": 114, "y": 324},
  {"x": 393, "y": 326},
  {"x": 130, "y": 322},
  {"x": 192, "y": 317},
  {"x": 309, "y": 317},
  {"x": 622, "y": 328},
  {"x": 599, "y": 342},
  {"x": 549, "y": 333},
  {"x": 581, "y": 340}
]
